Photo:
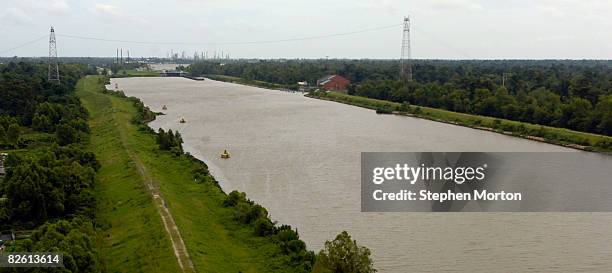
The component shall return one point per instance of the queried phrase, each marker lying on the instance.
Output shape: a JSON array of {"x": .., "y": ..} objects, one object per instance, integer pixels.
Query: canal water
[{"x": 300, "y": 158}]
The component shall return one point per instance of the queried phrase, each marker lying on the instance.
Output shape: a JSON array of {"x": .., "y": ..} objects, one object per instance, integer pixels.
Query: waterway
[{"x": 300, "y": 158}]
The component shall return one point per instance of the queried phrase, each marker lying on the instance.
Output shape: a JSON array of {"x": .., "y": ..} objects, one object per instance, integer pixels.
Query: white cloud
[
  {"x": 58, "y": 6},
  {"x": 453, "y": 5},
  {"x": 107, "y": 9},
  {"x": 15, "y": 17},
  {"x": 114, "y": 14},
  {"x": 573, "y": 8}
]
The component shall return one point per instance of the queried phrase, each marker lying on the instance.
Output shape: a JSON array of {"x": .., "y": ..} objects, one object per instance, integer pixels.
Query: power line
[
  {"x": 443, "y": 43},
  {"x": 231, "y": 43},
  {"x": 25, "y": 44}
]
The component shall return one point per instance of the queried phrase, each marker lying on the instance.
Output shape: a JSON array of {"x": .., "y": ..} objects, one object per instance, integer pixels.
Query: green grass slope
[
  {"x": 132, "y": 236},
  {"x": 215, "y": 241}
]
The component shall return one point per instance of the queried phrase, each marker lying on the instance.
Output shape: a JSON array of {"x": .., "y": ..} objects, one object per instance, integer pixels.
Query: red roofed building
[{"x": 333, "y": 83}]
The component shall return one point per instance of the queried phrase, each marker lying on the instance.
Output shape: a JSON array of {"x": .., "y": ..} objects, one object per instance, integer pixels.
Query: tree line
[{"x": 49, "y": 182}]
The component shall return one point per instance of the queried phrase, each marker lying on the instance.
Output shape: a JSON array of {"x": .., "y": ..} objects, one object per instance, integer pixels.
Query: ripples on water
[{"x": 300, "y": 158}]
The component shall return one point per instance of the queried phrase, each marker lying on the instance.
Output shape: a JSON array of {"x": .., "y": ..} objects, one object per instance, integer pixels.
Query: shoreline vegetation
[
  {"x": 558, "y": 136},
  {"x": 253, "y": 83},
  {"x": 222, "y": 232}
]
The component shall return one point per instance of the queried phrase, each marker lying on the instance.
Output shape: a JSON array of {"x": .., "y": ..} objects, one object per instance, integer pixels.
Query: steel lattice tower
[
  {"x": 405, "y": 61},
  {"x": 53, "y": 63}
]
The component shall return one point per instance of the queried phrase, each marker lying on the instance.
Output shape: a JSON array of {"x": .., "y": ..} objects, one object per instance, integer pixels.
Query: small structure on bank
[
  {"x": 303, "y": 87},
  {"x": 173, "y": 73},
  {"x": 333, "y": 83},
  {"x": 6, "y": 238},
  {"x": 3, "y": 157}
]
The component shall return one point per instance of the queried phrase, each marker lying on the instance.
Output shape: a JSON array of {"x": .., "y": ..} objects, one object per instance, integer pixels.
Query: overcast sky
[{"x": 441, "y": 29}]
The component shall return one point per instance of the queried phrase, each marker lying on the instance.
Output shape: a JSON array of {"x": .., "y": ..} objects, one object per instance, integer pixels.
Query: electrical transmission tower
[
  {"x": 405, "y": 61},
  {"x": 53, "y": 63}
]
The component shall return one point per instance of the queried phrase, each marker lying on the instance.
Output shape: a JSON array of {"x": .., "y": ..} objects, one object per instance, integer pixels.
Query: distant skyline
[{"x": 442, "y": 29}]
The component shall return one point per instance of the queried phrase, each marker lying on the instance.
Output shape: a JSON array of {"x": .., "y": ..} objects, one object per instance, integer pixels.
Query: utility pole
[
  {"x": 53, "y": 63},
  {"x": 405, "y": 60},
  {"x": 505, "y": 78}
]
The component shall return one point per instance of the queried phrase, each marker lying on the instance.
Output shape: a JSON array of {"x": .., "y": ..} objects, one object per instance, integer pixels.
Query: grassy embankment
[
  {"x": 243, "y": 81},
  {"x": 559, "y": 136},
  {"x": 136, "y": 73},
  {"x": 134, "y": 238}
]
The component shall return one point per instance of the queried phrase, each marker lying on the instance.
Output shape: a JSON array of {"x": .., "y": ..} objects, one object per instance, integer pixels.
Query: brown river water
[{"x": 300, "y": 158}]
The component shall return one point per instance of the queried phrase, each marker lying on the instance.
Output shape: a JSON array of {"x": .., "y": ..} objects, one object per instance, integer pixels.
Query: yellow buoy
[{"x": 225, "y": 154}]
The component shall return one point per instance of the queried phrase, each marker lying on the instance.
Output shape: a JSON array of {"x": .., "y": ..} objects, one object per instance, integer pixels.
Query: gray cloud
[{"x": 441, "y": 28}]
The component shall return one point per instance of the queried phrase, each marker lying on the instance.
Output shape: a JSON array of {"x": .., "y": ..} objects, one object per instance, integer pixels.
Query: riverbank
[
  {"x": 124, "y": 73},
  {"x": 552, "y": 135},
  {"x": 134, "y": 236},
  {"x": 254, "y": 83},
  {"x": 131, "y": 232}
]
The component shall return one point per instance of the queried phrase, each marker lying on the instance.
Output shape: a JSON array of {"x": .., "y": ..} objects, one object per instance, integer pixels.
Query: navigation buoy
[
  {"x": 225, "y": 154},
  {"x": 182, "y": 120},
  {"x": 164, "y": 107}
]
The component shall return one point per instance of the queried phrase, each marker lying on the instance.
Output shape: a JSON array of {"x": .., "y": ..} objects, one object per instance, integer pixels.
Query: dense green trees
[
  {"x": 23, "y": 87},
  {"x": 574, "y": 109},
  {"x": 74, "y": 239},
  {"x": 170, "y": 141},
  {"x": 48, "y": 185},
  {"x": 603, "y": 115},
  {"x": 9, "y": 131}
]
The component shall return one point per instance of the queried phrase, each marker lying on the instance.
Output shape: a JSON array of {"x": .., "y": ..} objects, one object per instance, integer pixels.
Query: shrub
[
  {"x": 170, "y": 141},
  {"x": 233, "y": 198},
  {"x": 605, "y": 144},
  {"x": 344, "y": 255},
  {"x": 384, "y": 110},
  {"x": 264, "y": 227}
]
